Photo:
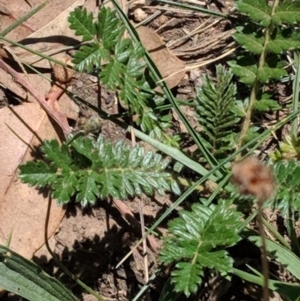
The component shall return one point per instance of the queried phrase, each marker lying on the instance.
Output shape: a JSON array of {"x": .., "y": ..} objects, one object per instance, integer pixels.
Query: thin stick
[
  {"x": 58, "y": 117},
  {"x": 146, "y": 276},
  {"x": 264, "y": 259}
]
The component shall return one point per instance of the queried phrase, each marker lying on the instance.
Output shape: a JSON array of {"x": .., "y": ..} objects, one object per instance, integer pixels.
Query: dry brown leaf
[
  {"x": 23, "y": 208},
  {"x": 10, "y": 12},
  {"x": 7, "y": 82},
  {"x": 51, "y": 37},
  {"x": 166, "y": 62},
  {"x": 47, "y": 15},
  {"x": 53, "y": 33}
]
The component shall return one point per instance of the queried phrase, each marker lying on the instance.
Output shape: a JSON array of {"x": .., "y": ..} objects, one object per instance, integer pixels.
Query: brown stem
[
  {"x": 264, "y": 259},
  {"x": 256, "y": 85},
  {"x": 58, "y": 117}
]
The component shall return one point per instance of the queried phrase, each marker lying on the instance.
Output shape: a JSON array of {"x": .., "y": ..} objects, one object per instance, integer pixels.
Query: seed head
[{"x": 252, "y": 177}]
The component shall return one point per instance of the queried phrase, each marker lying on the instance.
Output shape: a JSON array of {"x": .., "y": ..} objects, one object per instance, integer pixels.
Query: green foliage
[
  {"x": 266, "y": 103},
  {"x": 245, "y": 68},
  {"x": 289, "y": 149},
  {"x": 120, "y": 63},
  {"x": 91, "y": 169},
  {"x": 272, "y": 35},
  {"x": 216, "y": 111},
  {"x": 250, "y": 42},
  {"x": 288, "y": 11},
  {"x": 258, "y": 10},
  {"x": 82, "y": 23},
  {"x": 265, "y": 33},
  {"x": 26, "y": 279},
  {"x": 287, "y": 197},
  {"x": 198, "y": 240}
]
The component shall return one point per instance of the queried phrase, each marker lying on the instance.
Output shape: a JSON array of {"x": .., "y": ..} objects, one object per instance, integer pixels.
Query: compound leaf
[
  {"x": 249, "y": 42},
  {"x": 247, "y": 74},
  {"x": 109, "y": 28},
  {"x": 265, "y": 73},
  {"x": 283, "y": 40},
  {"x": 288, "y": 11},
  {"x": 88, "y": 56},
  {"x": 121, "y": 66},
  {"x": 82, "y": 23},
  {"x": 97, "y": 169},
  {"x": 196, "y": 237},
  {"x": 258, "y": 10},
  {"x": 215, "y": 104}
]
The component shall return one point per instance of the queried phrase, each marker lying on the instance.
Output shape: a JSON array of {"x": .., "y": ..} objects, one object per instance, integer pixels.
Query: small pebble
[{"x": 79, "y": 84}]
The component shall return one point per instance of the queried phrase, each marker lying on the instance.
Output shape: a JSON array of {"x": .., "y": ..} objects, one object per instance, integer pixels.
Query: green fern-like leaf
[
  {"x": 86, "y": 57},
  {"x": 215, "y": 103},
  {"x": 82, "y": 23},
  {"x": 258, "y": 10},
  {"x": 106, "y": 33},
  {"x": 250, "y": 42},
  {"x": 288, "y": 11},
  {"x": 195, "y": 242},
  {"x": 252, "y": 37},
  {"x": 284, "y": 39},
  {"x": 125, "y": 73},
  {"x": 287, "y": 196},
  {"x": 109, "y": 28},
  {"x": 120, "y": 63},
  {"x": 245, "y": 68},
  {"x": 265, "y": 103},
  {"x": 96, "y": 169}
]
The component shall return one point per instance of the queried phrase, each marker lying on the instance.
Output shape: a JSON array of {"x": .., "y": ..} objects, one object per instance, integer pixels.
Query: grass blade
[
  {"x": 24, "y": 278},
  {"x": 23, "y": 19},
  {"x": 157, "y": 77}
]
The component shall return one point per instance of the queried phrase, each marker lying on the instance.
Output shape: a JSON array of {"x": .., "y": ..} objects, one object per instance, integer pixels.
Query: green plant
[
  {"x": 198, "y": 240},
  {"x": 267, "y": 33},
  {"x": 121, "y": 66},
  {"x": 97, "y": 169},
  {"x": 265, "y": 36},
  {"x": 88, "y": 169},
  {"x": 289, "y": 147},
  {"x": 23, "y": 277},
  {"x": 287, "y": 198},
  {"x": 217, "y": 111}
]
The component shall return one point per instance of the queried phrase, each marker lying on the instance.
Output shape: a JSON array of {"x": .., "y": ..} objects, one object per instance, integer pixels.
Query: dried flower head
[{"x": 251, "y": 177}]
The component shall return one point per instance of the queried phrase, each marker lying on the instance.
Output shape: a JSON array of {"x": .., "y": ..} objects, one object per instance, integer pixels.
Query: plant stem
[
  {"x": 264, "y": 260},
  {"x": 247, "y": 120},
  {"x": 188, "y": 183},
  {"x": 296, "y": 92},
  {"x": 256, "y": 86}
]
